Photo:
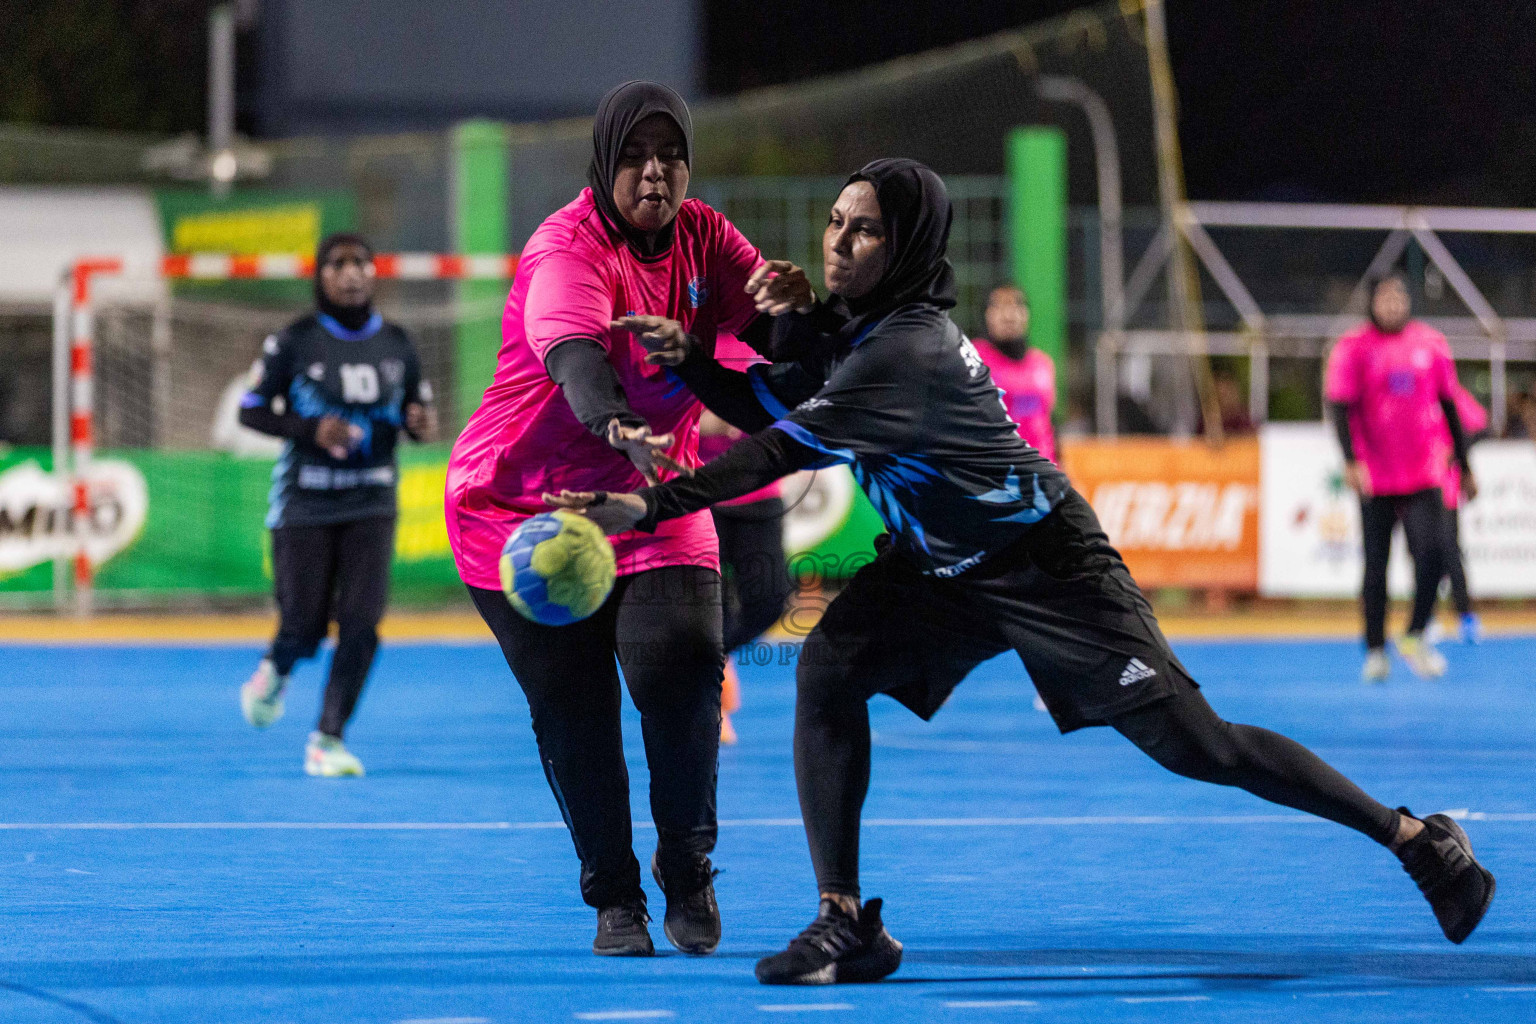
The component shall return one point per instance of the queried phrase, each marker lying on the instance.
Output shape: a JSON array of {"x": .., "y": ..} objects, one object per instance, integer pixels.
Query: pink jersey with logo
[
  {"x": 1474, "y": 419},
  {"x": 1393, "y": 384},
  {"x": 573, "y": 278},
  {"x": 735, "y": 354},
  {"x": 1029, "y": 392}
]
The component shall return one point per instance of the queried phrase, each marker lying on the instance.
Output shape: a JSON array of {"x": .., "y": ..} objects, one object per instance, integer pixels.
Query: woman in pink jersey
[
  {"x": 1025, "y": 375},
  {"x": 1391, "y": 385},
  {"x": 574, "y": 405}
]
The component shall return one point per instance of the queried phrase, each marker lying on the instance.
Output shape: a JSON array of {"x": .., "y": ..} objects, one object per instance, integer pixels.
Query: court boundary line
[{"x": 543, "y": 826}]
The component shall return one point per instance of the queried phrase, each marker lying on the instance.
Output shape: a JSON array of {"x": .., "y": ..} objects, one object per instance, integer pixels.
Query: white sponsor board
[
  {"x": 36, "y": 513},
  {"x": 1309, "y": 522}
]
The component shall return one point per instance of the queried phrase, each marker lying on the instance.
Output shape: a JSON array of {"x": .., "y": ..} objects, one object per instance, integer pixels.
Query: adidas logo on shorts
[{"x": 1135, "y": 672}]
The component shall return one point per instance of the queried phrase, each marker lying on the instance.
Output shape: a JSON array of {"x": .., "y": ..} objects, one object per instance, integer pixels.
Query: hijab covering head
[
  {"x": 914, "y": 207},
  {"x": 351, "y": 317},
  {"x": 617, "y": 114},
  {"x": 1371, "y": 286}
]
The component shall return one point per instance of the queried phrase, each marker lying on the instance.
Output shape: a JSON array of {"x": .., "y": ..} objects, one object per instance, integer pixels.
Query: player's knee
[{"x": 1208, "y": 752}]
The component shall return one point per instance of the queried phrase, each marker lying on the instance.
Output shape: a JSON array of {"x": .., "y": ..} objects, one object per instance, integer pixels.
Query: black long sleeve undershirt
[
  {"x": 724, "y": 392},
  {"x": 746, "y": 466},
  {"x": 291, "y": 425},
  {"x": 590, "y": 385},
  {"x": 1452, "y": 420}
]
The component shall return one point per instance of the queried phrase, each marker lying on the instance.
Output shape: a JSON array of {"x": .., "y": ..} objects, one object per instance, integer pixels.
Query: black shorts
[{"x": 1061, "y": 597}]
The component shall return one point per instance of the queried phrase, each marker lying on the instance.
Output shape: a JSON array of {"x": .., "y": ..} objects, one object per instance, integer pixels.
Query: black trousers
[
  {"x": 1455, "y": 567},
  {"x": 755, "y": 574},
  {"x": 1063, "y": 600},
  {"x": 340, "y": 572},
  {"x": 1422, "y": 514},
  {"x": 663, "y": 626}
]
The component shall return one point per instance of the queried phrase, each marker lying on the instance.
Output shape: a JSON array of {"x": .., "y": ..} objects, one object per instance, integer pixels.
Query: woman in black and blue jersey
[{"x": 339, "y": 385}]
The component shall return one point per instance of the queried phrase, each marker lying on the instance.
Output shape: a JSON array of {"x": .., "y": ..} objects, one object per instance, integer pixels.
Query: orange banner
[{"x": 1182, "y": 513}]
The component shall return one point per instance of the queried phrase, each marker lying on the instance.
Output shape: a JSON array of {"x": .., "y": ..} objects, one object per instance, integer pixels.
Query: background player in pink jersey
[
  {"x": 1026, "y": 375},
  {"x": 751, "y": 528},
  {"x": 1391, "y": 385},
  {"x": 574, "y": 405}
]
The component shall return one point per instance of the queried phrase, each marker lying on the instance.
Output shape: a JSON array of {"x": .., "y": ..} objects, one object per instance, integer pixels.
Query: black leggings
[
  {"x": 664, "y": 627},
  {"x": 339, "y": 571},
  {"x": 756, "y": 575},
  {"x": 1423, "y": 517},
  {"x": 1181, "y": 733},
  {"x": 1455, "y": 569}
]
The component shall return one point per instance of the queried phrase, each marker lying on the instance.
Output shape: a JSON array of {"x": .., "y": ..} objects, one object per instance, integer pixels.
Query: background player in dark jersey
[
  {"x": 339, "y": 385},
  {"x": 989, "y": 550}
]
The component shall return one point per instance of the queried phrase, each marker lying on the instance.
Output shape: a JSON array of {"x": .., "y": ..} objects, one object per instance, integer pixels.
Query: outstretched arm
[{"x": 747, "y": 466}]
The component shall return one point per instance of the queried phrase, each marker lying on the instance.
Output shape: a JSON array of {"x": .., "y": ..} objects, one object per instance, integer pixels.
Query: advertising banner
[
  {"x": 1310, "y": 521},
  {"x": 1182, "y": 513},
  {"x": 193, "y": 523}
]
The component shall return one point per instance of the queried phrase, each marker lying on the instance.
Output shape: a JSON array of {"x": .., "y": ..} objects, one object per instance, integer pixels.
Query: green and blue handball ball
[{"x": 557, "y": 568}]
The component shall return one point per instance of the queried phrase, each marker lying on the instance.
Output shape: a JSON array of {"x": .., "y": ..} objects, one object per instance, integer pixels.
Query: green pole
[
  {"x": 481, "y": 171},
  {"x": 1037, "y": 229}
]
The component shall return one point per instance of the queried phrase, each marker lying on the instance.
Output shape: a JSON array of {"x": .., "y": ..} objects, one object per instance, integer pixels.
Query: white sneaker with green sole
[
  {"x": 328, "y": 757},
  {"x": 1421, "y": 656},
  {"x": 261, "y": 696}
]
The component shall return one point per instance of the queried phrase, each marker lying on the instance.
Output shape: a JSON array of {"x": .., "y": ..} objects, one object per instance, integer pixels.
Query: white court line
[
  {"x": 1165, "y": 999},
  {"x": 987, "y": 1004},
  {"x": 539, "y": 826},
  {"x": 803, "y": 1007},
  {"x": 1509, "y": 988},
  {"x": 624, "y": 1014},
  {"x": 1341, "y": 995}
]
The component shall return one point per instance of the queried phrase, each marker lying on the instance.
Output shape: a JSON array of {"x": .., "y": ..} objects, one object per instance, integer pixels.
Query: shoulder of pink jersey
[
  {"x": 1040, "y": 357},
  {"x": 1357, "y": 334},
  {"x": 575, "y": 226},
  {"x": 1429, "y": 334}
]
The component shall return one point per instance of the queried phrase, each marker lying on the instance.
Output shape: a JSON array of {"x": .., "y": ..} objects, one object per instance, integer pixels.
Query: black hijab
[
  {"x": 351, "y": 317},
  {"x": 617, "y": 114},
  {"x": 914, "y": 207}
]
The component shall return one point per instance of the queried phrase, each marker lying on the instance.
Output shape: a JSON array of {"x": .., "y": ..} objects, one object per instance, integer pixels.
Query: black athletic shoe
[
  {"x": 621, "y": 931},
  {"x": 692, "y": 922},
  {"x": 835, "y": 949},
  {"x": 1440, "y": 860}
]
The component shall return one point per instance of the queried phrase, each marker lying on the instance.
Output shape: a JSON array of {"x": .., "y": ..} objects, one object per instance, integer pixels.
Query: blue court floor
[{"x": 159, "y": 861}]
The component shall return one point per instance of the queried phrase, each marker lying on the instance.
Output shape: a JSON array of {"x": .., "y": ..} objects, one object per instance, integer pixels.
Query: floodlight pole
[
  {"x": 221, "y": 99},
  {"x": 1106, "y": 159}
]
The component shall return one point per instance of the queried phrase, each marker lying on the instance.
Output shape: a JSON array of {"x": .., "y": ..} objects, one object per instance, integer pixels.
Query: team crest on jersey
[
  {"x": 316, "y": 371},
  {"x": 270, "y": 345},
  {"x": 698, "y": 292},
  {"x": 393, "y": 371}
]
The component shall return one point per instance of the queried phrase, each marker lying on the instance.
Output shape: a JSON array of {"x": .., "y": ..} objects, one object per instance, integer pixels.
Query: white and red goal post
[{"x": 74, "y": 338}]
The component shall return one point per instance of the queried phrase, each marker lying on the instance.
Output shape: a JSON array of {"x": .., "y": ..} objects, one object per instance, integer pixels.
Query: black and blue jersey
[
  {"x": 910, "y": 406},
  {"x": 907, "y": 402},
  {"x": 316, "y": 368}
]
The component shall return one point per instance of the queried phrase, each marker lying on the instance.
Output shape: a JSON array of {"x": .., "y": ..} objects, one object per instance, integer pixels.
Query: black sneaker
[
  {"x": 1440, "y": 860},
  {"x": 621, "y": 931},
  {"x": 835, "y": 949},
  {"x": 692, "y": 922}
]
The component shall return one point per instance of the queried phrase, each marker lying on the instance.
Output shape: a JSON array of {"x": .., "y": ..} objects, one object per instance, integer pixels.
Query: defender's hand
[
  {"x": 779, "y": 286},
  {"x": 646, "y": 451},
  {"x": 613, "y": 513},
  {"x": 337, "y": 436},
  {"x": 421, "y": 421},
  {"x": 1357, "y": 478},
  {"x": 667, "y": 342}
]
